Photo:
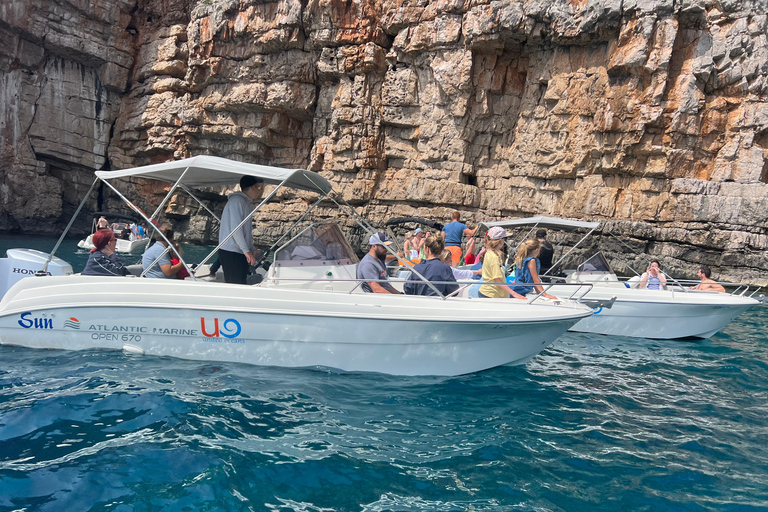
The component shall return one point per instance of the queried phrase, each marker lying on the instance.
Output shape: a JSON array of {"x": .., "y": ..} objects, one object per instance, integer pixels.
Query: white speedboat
[
  {"x": 671, "y": 313},
  {"x": 306, "y": 313},
  {"x": 132, "y": 245}
]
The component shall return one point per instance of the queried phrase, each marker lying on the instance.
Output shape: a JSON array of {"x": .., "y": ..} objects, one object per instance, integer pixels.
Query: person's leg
[
  {"x": 470, "y": 248},
  {"x": 235, "y": 266},
  {"x": 455, "y": 254}
]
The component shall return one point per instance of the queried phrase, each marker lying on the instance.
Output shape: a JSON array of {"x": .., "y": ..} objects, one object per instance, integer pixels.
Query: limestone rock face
[{"x": 648, "y": 115}]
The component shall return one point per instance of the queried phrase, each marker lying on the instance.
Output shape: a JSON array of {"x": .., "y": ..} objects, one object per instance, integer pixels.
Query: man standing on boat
[
  {"x": 454, "y": 231},
  {"x": 372, "y": 266},
  {"x": 238, "y": 253}
]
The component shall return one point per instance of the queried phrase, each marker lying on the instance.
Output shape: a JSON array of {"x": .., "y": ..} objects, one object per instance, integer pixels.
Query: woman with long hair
[
  {"x": 527, "y": 265},
  {"x": 432, "y": 269},
  {"x": 493, "y": 270}
]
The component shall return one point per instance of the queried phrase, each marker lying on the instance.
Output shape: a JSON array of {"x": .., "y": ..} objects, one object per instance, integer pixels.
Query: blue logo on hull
[{"x": 29, "y": 322}]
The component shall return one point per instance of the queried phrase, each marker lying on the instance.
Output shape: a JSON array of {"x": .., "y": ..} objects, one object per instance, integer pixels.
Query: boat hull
[
  {"x": 218, "y": 322},
  {"x": 662, "y": 314}
]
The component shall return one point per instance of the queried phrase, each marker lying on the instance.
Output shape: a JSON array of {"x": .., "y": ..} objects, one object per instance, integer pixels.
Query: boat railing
[
  {"x": 579, "y": 292},
  {"x": 580, "y": 289},
  {"x": 688, "y": 285}
]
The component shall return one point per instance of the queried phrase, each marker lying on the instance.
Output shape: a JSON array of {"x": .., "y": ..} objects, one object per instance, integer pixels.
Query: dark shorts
[{"x": 235, "y": 266}]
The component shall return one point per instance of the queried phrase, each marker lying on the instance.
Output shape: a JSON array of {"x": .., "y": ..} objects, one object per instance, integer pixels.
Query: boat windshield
[
  {"x": 596, "y": 263},
  {"x": 320, "y": 244}
]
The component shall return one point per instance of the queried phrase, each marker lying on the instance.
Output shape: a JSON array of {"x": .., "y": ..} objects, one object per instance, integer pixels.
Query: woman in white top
[
  {"x": 458, "y": 273},
  {"x": 653, "y": 278}
]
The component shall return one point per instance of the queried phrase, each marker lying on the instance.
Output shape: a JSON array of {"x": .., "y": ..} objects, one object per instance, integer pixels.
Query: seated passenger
[
  {"x": 103, "y": 260},
  {"x": 432, "y": 269},
  {"x": 411, "y": 246},
  {"x": 373, "y": 266},
  {"x": 125, "y": 233},
  {"x": 446, "y": 258},
  {"x": 527, "y": 269},
  {"x": 493, "y": 270},
  {"x": 707, "y": 283},
  {"x": 653, "y": 278},
  {"x": 176, "y": 258},
  {"x": 163, "y": 268}
]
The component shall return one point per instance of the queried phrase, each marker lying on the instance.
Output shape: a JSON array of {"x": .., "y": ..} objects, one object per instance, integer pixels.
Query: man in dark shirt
[{"x": 546, "y": 251}]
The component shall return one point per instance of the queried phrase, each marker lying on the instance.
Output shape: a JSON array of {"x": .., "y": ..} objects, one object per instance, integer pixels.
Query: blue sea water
[{"x": 592, "y": 423}]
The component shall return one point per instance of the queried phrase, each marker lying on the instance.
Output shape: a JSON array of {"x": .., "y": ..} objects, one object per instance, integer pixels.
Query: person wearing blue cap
[
  {"x": 372, "y": 266},
  {"x": 238, "y": 253}
]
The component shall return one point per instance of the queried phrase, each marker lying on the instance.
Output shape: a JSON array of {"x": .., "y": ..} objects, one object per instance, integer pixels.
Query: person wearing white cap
[
  {"x": 493, "y": 271},
  {"x": 373, "y": 267}
]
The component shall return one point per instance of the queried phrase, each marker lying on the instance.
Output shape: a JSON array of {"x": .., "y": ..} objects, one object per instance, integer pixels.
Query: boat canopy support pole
[
  {"x": 168, "y": 248},
  {"x": 248, "y": 218},
  {"x": 368, "y": 228},
  {"x": 71, "y": 221},
  {"x": 275, "y": 245},
  {"x": 150, "y": 223},
  {"x": 517, "y": 244},
  {"x": 570, "y": 250},
  {"x": 169, "y": 194},
  {"x": 626, "y": 246},
  {"x": 193, "y": 196}
]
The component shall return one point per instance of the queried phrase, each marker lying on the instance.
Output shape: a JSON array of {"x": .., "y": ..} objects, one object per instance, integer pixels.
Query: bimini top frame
[
  {"x": 212, "y": 171},
  {"x": 539, "y": 222},
  {"x": 200, "y": 172}
]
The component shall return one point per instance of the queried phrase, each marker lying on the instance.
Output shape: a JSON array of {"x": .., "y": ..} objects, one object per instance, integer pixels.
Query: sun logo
[{"x": 72, "y": 323}]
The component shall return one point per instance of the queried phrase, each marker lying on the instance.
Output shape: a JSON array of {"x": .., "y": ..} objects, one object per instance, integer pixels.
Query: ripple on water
[{"x": 595, "y": 422}]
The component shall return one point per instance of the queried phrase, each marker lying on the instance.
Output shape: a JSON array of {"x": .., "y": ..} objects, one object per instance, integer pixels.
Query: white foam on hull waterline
[{"x": 399, "y": 335}]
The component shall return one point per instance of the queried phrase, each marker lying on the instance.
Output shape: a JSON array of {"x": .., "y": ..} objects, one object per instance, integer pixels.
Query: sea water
[{"x": 592, "y": 423}]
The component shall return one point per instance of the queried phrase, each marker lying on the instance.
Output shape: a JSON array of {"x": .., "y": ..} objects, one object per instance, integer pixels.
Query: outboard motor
[{"x": 21, "y": 263}]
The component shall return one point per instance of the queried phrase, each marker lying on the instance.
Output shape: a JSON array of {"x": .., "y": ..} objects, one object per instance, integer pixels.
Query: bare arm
[
  {"x": 511, "y": 292},
  {"x": 382, "y": 288},
  {"x": 170, "y": 270},
  {"x": 535, "y": 278}
]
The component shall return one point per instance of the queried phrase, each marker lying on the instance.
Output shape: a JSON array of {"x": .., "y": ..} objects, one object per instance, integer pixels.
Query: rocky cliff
[{"x": 649, "y": 115}]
